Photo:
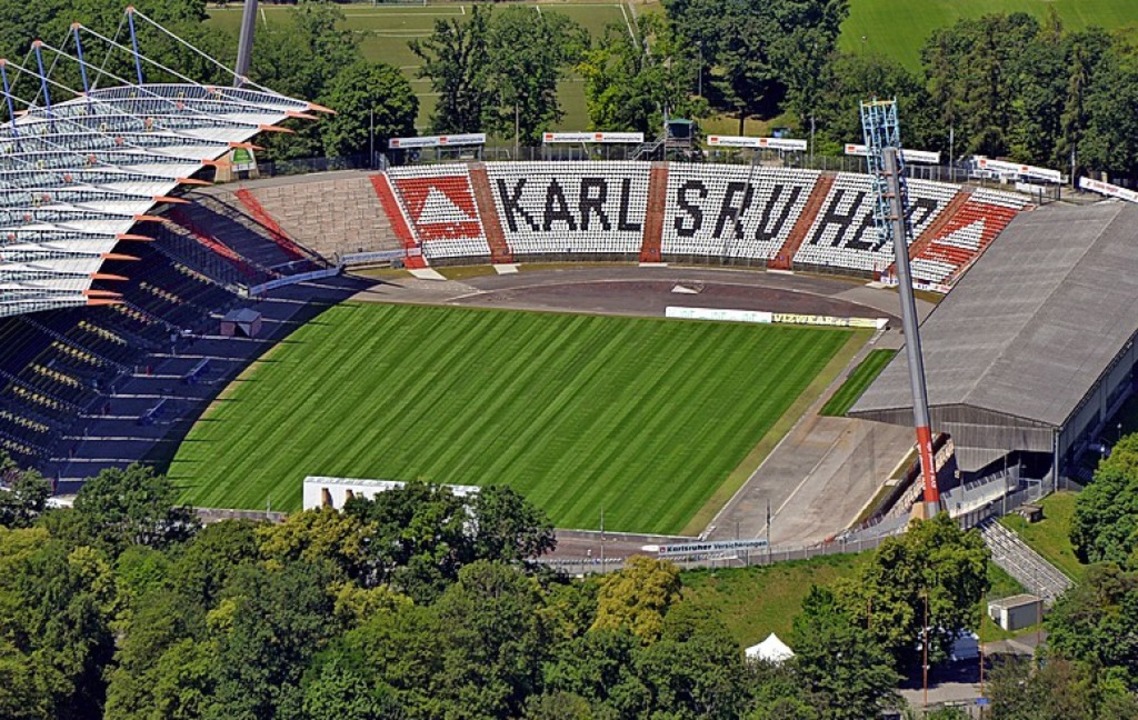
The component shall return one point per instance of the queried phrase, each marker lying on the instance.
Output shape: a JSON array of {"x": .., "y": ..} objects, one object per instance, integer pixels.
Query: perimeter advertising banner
[
  {"x": 436, "y": 141},
  {"x": 1085, "y": 183},
  {"x": 553, "y": 138},
  {"x": 756, "y": 143},
  {"x": 1009, "y": 168},
  {"x": 910, "y": 156}
]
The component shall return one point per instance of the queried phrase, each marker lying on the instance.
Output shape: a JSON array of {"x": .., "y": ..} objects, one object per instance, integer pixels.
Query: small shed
[
  {"x": 1016, "y": 612},
  {"x": 243, "y": 322},
  {"x": 771, "y": 650}
]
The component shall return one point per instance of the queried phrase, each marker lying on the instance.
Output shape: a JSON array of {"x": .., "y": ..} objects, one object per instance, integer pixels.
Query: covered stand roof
[
  {"x": 79, "y": 168},
  {"x": 1026, "y": 334}
]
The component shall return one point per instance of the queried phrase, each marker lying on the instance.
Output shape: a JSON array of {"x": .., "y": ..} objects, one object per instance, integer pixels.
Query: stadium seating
[
  {"x": 574, "y": 208},
  {"x": 965, "y": 236},
  {"x": 439, "y": 202},
  {"x": 781, "y": 217},
  {"x": 732, "y": 211}
]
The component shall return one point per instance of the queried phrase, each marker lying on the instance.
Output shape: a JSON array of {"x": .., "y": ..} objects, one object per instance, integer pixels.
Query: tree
[
  {"x": 528, "y": 53},
  {"x": 1093, "y": 622},
  {"x": 631, "y": 83},
  {"x": 209, "y": 561},
  {"x": 696, "y": 668},
  {"x": 121, "y": 507},
  {"x": 755, "y": 53},
  {"x": 973, "y": 67},
  {"x": 454, "y": 58},
  {"x": 275, "y": 622},
  {"x": 934, "y": 562},
  {"x": 1106, "y": 513},
  {"x": 507, "y": 527},
  {"x": 56, "y": 603},
  {"x": 638, "y": 597},
  {"x": 852, "y": 77},
  {"x": 373, "y": 101},
  {"x": 600, "y": 666},
  {"x": 1111, "y": 142},
  {"x": 23, "y": 494},
  {"x": 494, "y": 640},
  {"x": 841, "y": 660}
]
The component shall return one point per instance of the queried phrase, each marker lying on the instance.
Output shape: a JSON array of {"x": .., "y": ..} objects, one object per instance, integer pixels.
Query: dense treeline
[
  {"x": 417, "y": 604},
  {"x": 1000, "y": 85}
]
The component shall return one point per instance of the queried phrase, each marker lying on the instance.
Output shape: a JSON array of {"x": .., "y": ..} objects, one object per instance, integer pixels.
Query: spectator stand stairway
[
  {"x": 500, "y": 252},
  {"x": 783, "y": 260},
  {"x": 1028, "y": 567},
  {"x": 399, "y": 222},
  {"x": 650, "y": 249}
]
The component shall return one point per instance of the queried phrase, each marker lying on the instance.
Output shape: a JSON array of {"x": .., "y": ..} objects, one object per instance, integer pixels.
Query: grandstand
[
  {"x": 1033, "y": 351},
  {"x": 113, "y": 277},
  {"x": 680, "y": 212}
]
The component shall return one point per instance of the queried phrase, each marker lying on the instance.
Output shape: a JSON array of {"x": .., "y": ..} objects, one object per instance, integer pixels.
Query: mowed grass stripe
[
  {"x": 860, "y": 379},
  {"x": 644, "y": 418}
]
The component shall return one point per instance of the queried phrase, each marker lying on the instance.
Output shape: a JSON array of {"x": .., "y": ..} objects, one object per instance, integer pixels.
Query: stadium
[{"x": 246, "y": 334}]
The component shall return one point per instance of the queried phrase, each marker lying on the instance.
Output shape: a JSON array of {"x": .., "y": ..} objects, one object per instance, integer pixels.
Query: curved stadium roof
[{"x": 77, "y": 175}]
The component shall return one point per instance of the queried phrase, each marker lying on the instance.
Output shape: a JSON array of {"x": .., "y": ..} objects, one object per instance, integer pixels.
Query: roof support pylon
[{"x": 245, "y": 43}]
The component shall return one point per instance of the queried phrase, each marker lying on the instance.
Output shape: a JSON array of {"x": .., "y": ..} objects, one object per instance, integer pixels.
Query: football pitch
[{"x": 643, "y": 419}]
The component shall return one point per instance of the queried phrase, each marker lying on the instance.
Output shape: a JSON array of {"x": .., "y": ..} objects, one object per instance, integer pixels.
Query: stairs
[
  {"x": 654, "y": 218},
  {"x": 390, "y": 204},
  {"x": 1024, "y": 564},
  {"x": 491, "y": 224},
  {"x": 784, "y": 259},
  {"x": 269, "y": 223}
]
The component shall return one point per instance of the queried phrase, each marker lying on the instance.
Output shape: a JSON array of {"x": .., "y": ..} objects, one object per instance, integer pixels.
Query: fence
[{"x": 959, "y": 172}]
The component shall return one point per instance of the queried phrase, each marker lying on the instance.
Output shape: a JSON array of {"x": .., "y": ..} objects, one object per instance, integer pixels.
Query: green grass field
[
  {"x": 1050, "y": 537},
  {"x": 864, "y": 374},
  {"x": 644, "y": 418},
  {"x": 898, "y": 28}
]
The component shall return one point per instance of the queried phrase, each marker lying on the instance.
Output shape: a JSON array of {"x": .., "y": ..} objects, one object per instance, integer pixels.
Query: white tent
[{"x": 770, "y": 650}]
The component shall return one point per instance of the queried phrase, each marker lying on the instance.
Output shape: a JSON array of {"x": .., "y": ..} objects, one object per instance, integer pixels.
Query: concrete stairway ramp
[
  {"x": 784, "y": 258},
  {"x": 500, "y": 251},
  {"x": 1028, "y": 567},
  {"x": 654, "y": 216},
  {"x": 333, "y": 216}
]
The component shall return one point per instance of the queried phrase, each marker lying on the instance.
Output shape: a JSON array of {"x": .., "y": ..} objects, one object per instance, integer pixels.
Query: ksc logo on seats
[{"x": 441, "y": 207}]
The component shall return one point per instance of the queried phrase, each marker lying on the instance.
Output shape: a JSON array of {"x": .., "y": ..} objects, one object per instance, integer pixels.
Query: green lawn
[
  {"x": 1049, "y": 537},
  {"x": 864, "y": 374},
  {"x": 642, "y": 417},
  {"x": 756, "y": 601},
  {"x": 898, "y": 28}
]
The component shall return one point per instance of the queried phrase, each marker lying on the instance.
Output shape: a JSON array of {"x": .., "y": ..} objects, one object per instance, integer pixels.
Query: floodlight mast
[{"x": 883, "y": 141}]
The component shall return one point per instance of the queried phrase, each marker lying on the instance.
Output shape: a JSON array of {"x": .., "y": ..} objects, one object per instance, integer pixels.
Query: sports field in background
[
  {"x": 861, "y": 378},
  {"x": 898, "y": 28},
  {"x": 644, "y": 418},
  {"x": 893, "y": 28}
]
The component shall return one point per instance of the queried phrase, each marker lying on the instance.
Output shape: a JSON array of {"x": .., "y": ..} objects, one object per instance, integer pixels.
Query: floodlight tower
[{"x": 883, "y": 142}]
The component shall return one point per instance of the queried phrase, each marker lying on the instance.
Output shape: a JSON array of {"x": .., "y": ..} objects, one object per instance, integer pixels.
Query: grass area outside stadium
[{"x": 645, "y": 418}]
